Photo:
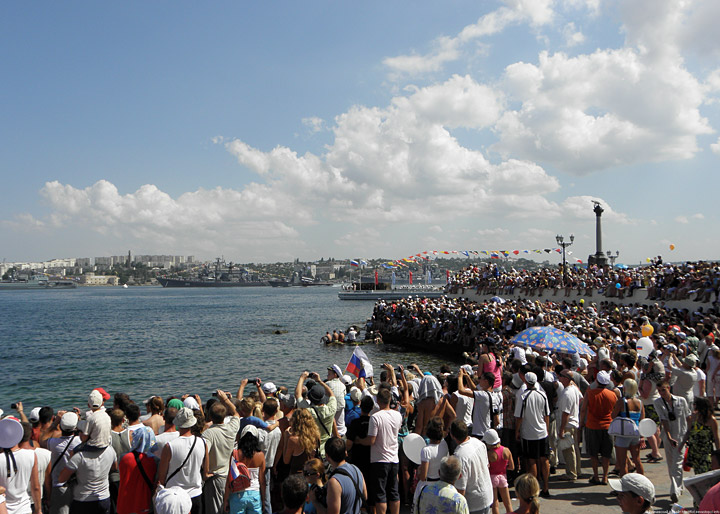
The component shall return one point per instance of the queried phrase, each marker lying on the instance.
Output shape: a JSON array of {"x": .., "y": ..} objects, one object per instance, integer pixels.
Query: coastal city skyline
[{"x": 267, "y": 133}]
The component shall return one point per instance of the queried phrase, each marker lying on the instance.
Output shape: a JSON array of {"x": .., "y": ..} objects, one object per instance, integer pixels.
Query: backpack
[{"x": 239, "y": 474}]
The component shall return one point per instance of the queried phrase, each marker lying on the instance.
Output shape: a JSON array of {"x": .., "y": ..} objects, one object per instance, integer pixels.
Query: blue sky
[{"x": 269, "y": 131}]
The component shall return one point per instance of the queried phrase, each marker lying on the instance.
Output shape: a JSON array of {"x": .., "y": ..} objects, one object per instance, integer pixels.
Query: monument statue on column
[{"x": 599, "y": 258}]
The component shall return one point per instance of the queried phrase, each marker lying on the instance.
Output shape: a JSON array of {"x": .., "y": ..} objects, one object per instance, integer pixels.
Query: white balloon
[
  {"x": 412, "y": 445},
  {"x": 644, "y": 346},
  {"x": 647, "y": 427}
]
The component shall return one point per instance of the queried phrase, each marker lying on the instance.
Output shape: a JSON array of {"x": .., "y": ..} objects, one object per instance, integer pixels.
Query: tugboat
[{"x": 224, "y": 275}]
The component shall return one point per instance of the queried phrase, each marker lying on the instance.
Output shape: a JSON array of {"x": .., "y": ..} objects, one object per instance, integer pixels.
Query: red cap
[{"x": 103, "y": 392}]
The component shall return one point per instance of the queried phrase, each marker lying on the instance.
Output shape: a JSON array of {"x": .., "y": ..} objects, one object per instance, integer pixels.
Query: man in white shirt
[
  {"x": 18, "y": 468},
  {"x": 383, "y": 441},
  {"x": 184, "y": 461},
  {"x": 334, "y": 382},
  {"x": 167, "y": 433},
  {"x": 568, "y": 407},
  {"x": 270, "y": 442},
  {"x": 61, "y": 450},
  {"x": 98, "y": 427},
  {"x": 532, "y": 419},
  {"x": 92, "y": 467},
  {"x": 474, "y": 482},
  {"x": 220, "y": 438}
]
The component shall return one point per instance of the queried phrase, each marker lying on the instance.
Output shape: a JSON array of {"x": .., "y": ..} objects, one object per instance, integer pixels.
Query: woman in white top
[
  {"x": 431, "y": 456},
  {"x": 241, "y": 498}
]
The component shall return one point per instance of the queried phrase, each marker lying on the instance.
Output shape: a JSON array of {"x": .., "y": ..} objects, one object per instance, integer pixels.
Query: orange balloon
[
  {"x": 647, "y": 330},
  {"x": 672, "y": 247}
]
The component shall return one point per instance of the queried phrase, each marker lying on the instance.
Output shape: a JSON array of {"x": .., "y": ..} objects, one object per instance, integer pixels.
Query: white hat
[
  {"x": 269, "y": 388},
  {"x": 355, "y": 394},
  {"x": 68, "y": 421},
  {"x": 634, "y": 483},
  {"x": 336, "y": 369},
  {"x": 251, "y": 429},
  {"x": 34, "y": 416},
  {"x": 530, "y": 378},
  {"x": 191, "y": 403},
  {"x": 173, "y": 500},
  {"x": 95, "y": 399},
  {"x": 491, "y": 437},
  {"x": 11, "y": 432},
  {"x": 603, "y": 377},
  {"x": 347, "y": 379},
  {"x": 185, "y": 418}
]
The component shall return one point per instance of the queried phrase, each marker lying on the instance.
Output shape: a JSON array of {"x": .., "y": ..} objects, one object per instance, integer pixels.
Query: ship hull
[{"x": 179, "y": 282}]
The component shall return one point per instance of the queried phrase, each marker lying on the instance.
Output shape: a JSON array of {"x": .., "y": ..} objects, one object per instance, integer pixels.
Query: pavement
[{"x": 581, "y": 496}]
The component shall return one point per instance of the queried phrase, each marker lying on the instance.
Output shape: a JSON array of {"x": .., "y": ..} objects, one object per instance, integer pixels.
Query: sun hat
[
  {"x": 634, "y": 483},
  {"x": 69, "y": 421},
  {"x": 95, "y": 399},
  {"x": 531, "y": 378},
  {"x": 269, "y": 388},
  {"x": 11, "y": 432},
  {"x": 491, "y": 437},
  {"x": 316, "y": 394},
  {"x": 185, "y": 418},
  {"x": 335, "y": 368},
  {"x": 34, "y": 416},
  {"x": 603, "y": 377},
  {"x": 172, "y": 500},
  {"x": 690, "y": 360},
  {"x": 191, "y": 403}
]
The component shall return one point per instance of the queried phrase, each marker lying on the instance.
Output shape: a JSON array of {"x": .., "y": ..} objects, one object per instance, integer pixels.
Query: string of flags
[{"x": 434, "y": 254}]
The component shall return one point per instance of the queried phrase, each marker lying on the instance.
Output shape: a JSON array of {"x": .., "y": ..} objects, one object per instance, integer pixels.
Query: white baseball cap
[{"x": 634, "y": 483}]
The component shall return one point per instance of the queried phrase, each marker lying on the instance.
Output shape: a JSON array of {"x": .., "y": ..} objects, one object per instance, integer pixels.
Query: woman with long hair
[
  {"x": 248, "y": 497},
  {"x": 702, "y": 433},
  {"x": 302, "y": 441},
  {"x": 527, "y": 490},
  {"x": 629, "y": 405}
]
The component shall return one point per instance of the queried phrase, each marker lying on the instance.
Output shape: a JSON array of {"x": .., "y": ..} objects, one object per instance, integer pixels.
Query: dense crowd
[
  {"x": 698, "y": 281},
  {"x": 508, "y": 418}
]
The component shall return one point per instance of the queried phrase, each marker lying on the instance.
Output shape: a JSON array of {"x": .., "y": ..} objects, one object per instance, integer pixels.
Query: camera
[
  {"x": 253, "y": 381},
  {"x": 13, "y": 406},
  {"x": 672, "y": 416}
]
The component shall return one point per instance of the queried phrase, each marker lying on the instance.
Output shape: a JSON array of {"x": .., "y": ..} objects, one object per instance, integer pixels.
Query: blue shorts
[{"x": 245, "y": 502}]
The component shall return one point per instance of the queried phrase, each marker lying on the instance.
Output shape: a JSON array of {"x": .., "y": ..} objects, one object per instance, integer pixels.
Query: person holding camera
[
  {"x": 220, "y": 438},
  {"x": 674, "y": 414},
  {"x": 345, "y": 490},
  {"x": 321, "y": 403}
]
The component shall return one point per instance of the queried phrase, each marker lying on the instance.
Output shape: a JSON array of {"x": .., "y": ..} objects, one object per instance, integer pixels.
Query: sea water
[{"x": 56, "y": 346}]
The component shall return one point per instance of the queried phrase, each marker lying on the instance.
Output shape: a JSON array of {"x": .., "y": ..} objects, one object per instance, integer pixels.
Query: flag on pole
[
  {"x": 447, "y": 276},
  {"x": 429, "y": 277},
  {"x": 393, "y": 278},
  {"x": 376, "y": 277},
  {"x": 354, "y": 263},
  {"x": 411, "y": 278},
  {"x": 359, "y": 364}
]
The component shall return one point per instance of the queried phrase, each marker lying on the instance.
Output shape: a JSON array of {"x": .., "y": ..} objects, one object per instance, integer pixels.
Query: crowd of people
[
  {"x": 505, "y": 421},
  {"x": 697, "y": 281}
]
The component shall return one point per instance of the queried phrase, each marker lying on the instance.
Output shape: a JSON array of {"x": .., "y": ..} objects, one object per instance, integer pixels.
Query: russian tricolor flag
[
  {"x": 354, "y": 263},
  {"x": 359, "y": 364}
]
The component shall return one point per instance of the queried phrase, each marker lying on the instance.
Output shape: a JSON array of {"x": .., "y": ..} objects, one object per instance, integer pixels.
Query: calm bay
[{"x": 59, "y": 345}]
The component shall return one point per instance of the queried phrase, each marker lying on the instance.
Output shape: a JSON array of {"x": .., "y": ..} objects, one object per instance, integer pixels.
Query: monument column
[{"x": 598, "y": 258}]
